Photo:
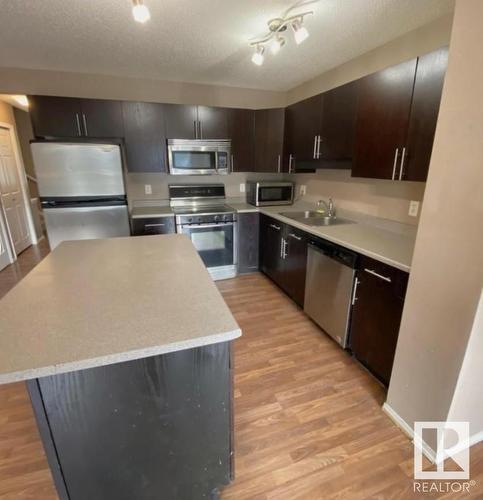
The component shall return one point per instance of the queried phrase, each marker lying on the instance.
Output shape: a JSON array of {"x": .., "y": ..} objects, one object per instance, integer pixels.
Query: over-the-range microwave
[
  {"x": 266, "y": 193},
  {"x": 199, "y": 156}
]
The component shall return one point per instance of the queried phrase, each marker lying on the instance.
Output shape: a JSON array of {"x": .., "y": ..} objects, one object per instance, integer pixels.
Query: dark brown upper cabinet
[
  {"x": 337, "y": 127},
  {"x": 241, "y": 124},
  {"x": 71, "y": 117},
  {"x": 181, "y": 121},
  {"x": 303, "y": 121},
  {"x": 396, "y": 119},
  {"x": 383, "y": 110},
  {"x": 213, "y": 123},
  {"x": 144, "y": 136},
  {"x": 428, "y": 87},
  {"x": 269, "y": 134}
]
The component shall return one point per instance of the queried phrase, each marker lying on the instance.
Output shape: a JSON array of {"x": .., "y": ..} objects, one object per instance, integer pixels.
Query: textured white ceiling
[{"x": 204, "y": 41}]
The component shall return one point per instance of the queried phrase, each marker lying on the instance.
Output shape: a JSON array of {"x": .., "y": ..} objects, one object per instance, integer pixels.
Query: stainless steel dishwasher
[{"x": 329, "y": 287}]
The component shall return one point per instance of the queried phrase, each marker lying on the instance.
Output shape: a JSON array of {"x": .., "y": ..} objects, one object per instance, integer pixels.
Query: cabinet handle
[
  {"x": 294, "y": 236},
  {"x": 315, "y": 147},
  {"x": 284, "y": 249},
  {"x": 395, "y": 163},
  {"x": 195, "y": 125},
  {"x": 385, "y": 278},
  {"x": 319, "y": 140},
  {"x": 281, "y": 247},
  {"x": 232, "y": 160},
  {"x": 275, "y": 227},
  {"x": 85, "y": 123},
  {"x": 403, "y": 156},
  {"x": 354, "y": 292},
  {"x": 290, "y": 158},
  {"x": 278, "y": 164},
  {"x": 200, "y": 125},
  {"x": 154, "y": 225},
  {"x": 79, "y": 132}
]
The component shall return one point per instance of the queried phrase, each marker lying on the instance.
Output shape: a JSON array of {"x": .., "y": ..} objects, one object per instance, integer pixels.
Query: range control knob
[
  {"x": 216, "y": 218},
  {"x": 190, "y": 220},
  {"x": 200, "y": 219}
]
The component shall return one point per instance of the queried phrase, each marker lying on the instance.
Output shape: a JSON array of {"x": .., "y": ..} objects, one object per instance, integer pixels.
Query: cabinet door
[
  {"x": 295, "y": 264},
  {"x": 248, "y": 242},
  {"x": 271, "y": 263},
  {"x": 376, "y": 316},
  {"x": 338, "y": 125},
  {"x": 181, "y": 121},
  {"x": 428, "y": 88},
  {"x": 242, "y": 134},
  {"x": 102, "y": 118},
  {"x": 55, "y": 116},
  {"x": 269, "y": 129},
  {"x": 145, "y": 136},
  {"x": 213, "y": 122},
  {"x": 383, "y": 109},
  {"x": 303, "y": 124}
]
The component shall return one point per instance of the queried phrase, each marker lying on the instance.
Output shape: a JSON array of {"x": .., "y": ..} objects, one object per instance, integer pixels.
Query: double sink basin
[{"x": 314, "y": 218}]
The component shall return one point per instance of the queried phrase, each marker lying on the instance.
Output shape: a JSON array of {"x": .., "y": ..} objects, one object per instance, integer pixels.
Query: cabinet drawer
[
  {"x": 395, "y": 279},
  {"x": 153, "y": 225}
]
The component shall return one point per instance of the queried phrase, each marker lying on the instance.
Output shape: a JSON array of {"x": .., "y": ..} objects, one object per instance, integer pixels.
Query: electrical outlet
[
  {"x": 413, "y": 208},
  {"x": 242, "y": 187},
  {"x": 303, "y": 189},
  {"x": 148, "y": 189}
]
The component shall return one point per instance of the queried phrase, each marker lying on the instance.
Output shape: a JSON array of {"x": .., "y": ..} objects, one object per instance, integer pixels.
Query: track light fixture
[
  {"x": 275, "y": 40},
  {"x": 140, "y": 12}
]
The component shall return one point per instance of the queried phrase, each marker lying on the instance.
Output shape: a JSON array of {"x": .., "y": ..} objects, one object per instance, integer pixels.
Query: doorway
[{"x": 14, "y": 227}]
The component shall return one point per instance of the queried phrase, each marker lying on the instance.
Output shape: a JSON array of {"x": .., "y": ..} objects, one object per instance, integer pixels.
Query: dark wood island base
[{"x": 154, "y": 428}]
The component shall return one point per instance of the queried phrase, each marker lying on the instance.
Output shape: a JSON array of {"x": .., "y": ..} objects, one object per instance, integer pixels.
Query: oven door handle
[{"x": 221, "y": 224}]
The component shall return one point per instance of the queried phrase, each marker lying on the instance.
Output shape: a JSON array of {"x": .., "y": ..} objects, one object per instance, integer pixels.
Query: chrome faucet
[{"x": 329, "y": 208}]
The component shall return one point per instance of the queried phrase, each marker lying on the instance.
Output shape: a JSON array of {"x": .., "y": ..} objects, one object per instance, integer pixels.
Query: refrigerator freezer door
[
  {"x": 70, "y": 170},
  {"x": 84, "y": 223}
]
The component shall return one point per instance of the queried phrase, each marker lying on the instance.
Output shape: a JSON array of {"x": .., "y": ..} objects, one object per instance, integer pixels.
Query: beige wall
[
  {"x": 412, "y": 44},
  {"x": 6, "y": 113},
  {"x": 447, "y": 269},
  {"x": 380, "y": 198},
  {"x": 29, "y": 81}
]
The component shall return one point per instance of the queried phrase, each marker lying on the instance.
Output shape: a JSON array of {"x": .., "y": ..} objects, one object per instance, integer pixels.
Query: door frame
[{"x": 23, "y": 190}]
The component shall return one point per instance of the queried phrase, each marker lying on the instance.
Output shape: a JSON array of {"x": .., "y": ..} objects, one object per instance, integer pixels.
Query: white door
[
  {"x": 4, "y": 255},
  {"x": 11, "y": 194}
]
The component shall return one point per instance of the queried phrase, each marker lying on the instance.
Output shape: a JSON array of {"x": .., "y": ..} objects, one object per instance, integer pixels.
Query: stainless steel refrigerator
[{"x": 81, "y": 188}]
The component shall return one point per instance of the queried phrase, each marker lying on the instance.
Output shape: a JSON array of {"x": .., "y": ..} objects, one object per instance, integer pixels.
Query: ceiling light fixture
[
  {"x": 140, "y": 12},
  {"x": 273, "y": 38},
  {"x": 277, "y": 44},
  {"x": 300, "y": 32},
  {"x": 258, "y": 57}
]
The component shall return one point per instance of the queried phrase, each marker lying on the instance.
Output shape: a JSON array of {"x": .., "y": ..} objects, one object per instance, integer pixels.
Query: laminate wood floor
[{"x": 308, "y": 418}]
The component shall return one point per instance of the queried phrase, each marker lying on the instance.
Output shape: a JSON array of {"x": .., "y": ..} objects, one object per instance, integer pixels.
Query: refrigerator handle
[{"x": 79, "y": 131}]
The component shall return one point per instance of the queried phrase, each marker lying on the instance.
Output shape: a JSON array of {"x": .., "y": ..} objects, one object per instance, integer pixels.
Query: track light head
[
  {"x": 258, "y": 56},
  {"x": 140, "y": 12},
  {"x": 276, "y": 44},
  {"x": 300, "y": 31}
]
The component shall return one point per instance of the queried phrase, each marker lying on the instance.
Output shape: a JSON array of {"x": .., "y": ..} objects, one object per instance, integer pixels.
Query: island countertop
[{"x": 98, "y": 302}]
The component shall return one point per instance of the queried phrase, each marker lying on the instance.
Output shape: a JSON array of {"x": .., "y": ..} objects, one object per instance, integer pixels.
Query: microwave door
[{"x": 186, "y": 162}]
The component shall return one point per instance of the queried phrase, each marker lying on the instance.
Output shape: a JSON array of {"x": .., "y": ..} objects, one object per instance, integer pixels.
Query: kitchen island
[{"x": 125, "y": 345}]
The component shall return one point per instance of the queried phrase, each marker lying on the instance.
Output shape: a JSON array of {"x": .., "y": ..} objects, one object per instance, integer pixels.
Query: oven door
[
  {"x": 215, "y": 243},
  {"x": 197, "y": 160}
]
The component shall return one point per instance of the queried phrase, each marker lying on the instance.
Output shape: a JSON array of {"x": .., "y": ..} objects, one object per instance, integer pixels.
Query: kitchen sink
[{"x": 314, "y": 218}]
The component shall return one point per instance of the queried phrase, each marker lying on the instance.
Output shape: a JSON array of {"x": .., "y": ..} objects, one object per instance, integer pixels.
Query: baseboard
[
  {"x": 476, "y": 438},
  {"x": 428, "y": 452}
]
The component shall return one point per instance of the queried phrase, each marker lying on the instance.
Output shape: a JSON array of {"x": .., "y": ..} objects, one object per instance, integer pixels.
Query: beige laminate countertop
[
  {"x": 389, "y": 242},
  {"x": 97, "y": 302}
]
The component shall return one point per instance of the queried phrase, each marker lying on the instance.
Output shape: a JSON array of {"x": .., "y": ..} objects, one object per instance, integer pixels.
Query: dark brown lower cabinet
[
  {"x": 248, "y": 231},
  {"x": 283, "y": 256},
  {"x": 145, "y": 226},
  {"x": 376, "y": 316}
]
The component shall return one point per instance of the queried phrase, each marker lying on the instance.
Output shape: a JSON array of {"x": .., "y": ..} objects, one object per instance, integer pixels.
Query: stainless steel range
[{"x": 201, "y": 214}]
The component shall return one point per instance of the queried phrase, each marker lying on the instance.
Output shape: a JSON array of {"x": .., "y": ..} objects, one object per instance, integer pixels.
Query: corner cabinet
[
  {"x": 376, "y": 315},
  {"x": 283, "y": 256},
  {"x": 396, "y": 119}
]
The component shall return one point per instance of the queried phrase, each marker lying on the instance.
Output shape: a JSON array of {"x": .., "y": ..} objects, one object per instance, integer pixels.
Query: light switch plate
[
  {"x": 148, "y": 189},
  {"x": 242, "y": 187},
  {"x": 413, "y": 208},
  {"x": 303, "y": 189}
]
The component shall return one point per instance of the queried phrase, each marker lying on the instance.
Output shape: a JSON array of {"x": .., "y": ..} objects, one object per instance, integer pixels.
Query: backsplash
[{"x": 380, "y": 198}]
